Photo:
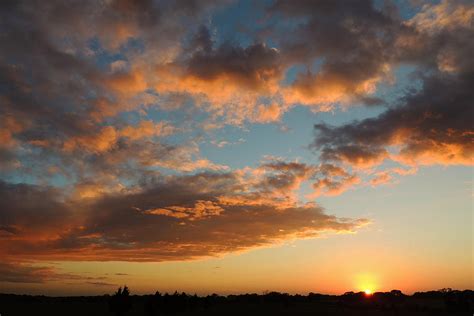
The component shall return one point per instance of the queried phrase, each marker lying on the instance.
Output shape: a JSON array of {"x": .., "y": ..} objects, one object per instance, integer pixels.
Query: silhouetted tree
[
  {"x": 396, "y": 293},
  {"x": 441, "y": 302},
  {"x": 120, "y": 302}
]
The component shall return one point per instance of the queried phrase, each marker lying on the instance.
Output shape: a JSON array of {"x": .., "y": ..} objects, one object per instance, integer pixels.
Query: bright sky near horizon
[{"x": 236, "y": 146}]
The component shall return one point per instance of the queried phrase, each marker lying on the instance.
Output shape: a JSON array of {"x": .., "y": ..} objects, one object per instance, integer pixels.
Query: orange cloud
[
  {"x": 104, "y": 140},
  {"x": 320, "y": 91},
  {"x": 268, "y": 113},
  {"x": 201, "y": 209},
  {"x": 9, "y": 127},
  {"x": 194, "y": 217},
  {"x": 147, "y": 129},
  {"x": 381, "y": 178},
  {"x": 126, "y": 82},
  {"x": 430, "y": 127},
  {"x": 219, "y": 95}
]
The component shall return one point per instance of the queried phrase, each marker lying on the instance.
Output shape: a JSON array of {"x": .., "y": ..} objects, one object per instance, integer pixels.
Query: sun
[{"x": 366, "y": 282}]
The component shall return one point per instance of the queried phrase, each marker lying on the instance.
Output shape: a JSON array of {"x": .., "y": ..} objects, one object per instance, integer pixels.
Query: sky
[{"x": 236, "y": 146}]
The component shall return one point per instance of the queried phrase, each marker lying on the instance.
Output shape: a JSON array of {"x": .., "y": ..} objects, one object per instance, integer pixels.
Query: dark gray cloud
[
  {"x": 250, "y": 67},
  {"x": 433, "y": 126},
  {"x": 15, "y": 273},
  {"x": 333, "y": 180},
  {"x": 285, "y": 176},
  {"x": 20, "y": 272},
  {"x": 30, "y": 209},
  {"x": 439, "y": 37},
  {"x": 353, "y": 41}
]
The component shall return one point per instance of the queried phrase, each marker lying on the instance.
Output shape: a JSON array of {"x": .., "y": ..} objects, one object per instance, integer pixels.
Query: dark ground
[{"x": 444, "y": 302}]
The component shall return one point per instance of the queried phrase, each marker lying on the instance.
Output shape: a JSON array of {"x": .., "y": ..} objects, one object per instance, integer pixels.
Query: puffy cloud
[
  {"x": 325, "y": 88},
  {"x": 333, "y": 180},
  {"x": 184, "y": 157},
  {"x": 352, "y": 43},
  {"x": 255, "y": 67},
  {"x": 103, "y": 141},
  {"x": 439, "y": 37},
  {"x": 131, "y": 82},
  {"x": 425, "y": 127},
  {"x": 268, "y": 113},
  {"x": 430, "y": 127},
  {"x": 56, "y": 85},
  {"x": 226, "y": 77},
  {"x": 283, "y": 177},
  {"x": 147, "y": 129},
  {"x": 446, "y": 14}
]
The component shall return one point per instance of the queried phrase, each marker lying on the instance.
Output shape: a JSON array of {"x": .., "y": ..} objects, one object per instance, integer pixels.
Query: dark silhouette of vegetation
[
  {"x": 120, "y": 303},
  {"x": 442, "y": 302}
]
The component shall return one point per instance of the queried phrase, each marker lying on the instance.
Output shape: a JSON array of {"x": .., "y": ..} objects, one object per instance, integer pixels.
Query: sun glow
[{"x": 367, "y": 283}]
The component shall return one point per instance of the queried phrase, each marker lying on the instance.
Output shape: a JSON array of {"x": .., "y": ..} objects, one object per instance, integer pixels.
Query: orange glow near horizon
[{"x": 367, "y": 283}]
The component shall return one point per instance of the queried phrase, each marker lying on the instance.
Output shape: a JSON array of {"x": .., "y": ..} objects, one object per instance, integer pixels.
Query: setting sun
[{"x": 367, "y": 282}]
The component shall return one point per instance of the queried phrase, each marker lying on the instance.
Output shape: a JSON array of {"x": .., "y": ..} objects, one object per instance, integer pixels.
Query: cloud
[
  {"x": 19, "y": 272},
  {"x": 57, "y": 87},
  {"x": 33, "y": 211},
  {"x": 108, "y": 137},
  {"x": 352, "y": 43},
  {"x": 113, "y": 99},
  {"x": 101, "y": 283},
  {"x": 446, "y": 14},
  {"x": 225, "y": 77},
  {"x": 10, "y": 126},
  {"x": 430, "y": 127},
  {"x": 15, "y": 273},
  {"x": 438, "y": 36},
  {"x": 332, "y": 180},
  {"x": 268, "y": 113},
  {"x": 148, "y": 129},
  {"x": 381, "y": 178},
  {"x": 164, "y": 218},
  {"x": 199, "y": 210},
  {"x": 100, "y": 142},
  {"x": 427, "y": 126},
  {"x": 283, "y": 177},
  {"x": 253, "y": 67}
]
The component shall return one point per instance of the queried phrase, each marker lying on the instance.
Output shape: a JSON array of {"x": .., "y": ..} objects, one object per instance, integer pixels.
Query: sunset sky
[{"x": 236, "y": 146}]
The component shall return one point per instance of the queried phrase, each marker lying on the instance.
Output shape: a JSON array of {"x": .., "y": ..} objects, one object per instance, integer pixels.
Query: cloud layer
[
  {"x": 105, "y": 106},
  {"x": 168, "y": 218}
]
